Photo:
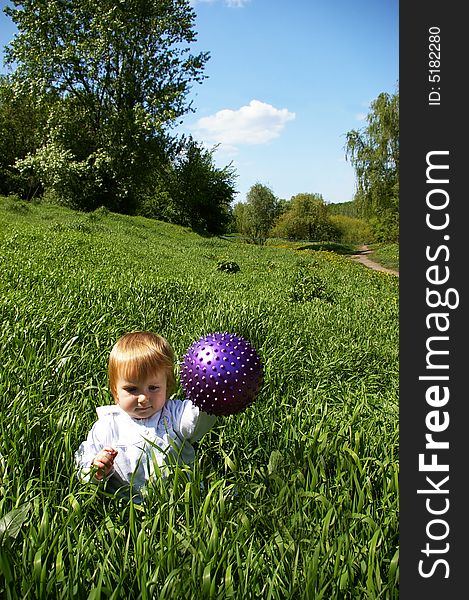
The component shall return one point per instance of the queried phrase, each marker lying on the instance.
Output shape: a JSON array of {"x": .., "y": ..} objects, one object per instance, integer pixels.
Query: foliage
[
  {"x": 255, "y": 217},
  {"x": 191, "y": 190},
  {"x": 307, "y": 286},
  {"x": 385, "y": 226},
  {"x": 240, "y": 217},
  {"x": 22, "y": 122},
  {"x": 121, "y": 72},
  {"x": 374, "y": 153},
  {"x": 306, "y": 218},
  {"x": 348, "y": 209},
  {"x": 155, "y": 202},
  {"x": 296, "y": 498},
  {"x": 202, "y": 192},
  {"x": 352, "y": 230},
  {"x": 59, "y": 173}
]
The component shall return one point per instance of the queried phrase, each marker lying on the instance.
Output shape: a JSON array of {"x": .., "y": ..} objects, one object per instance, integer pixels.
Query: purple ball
[{"x": 221, "y": 373}]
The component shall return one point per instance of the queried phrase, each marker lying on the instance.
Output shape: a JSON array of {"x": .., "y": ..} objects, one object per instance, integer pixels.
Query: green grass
[
  {"x": 295, "y": 498},
  {"x": 386, "y": 255},
  {"x": 336, "y": 247}
]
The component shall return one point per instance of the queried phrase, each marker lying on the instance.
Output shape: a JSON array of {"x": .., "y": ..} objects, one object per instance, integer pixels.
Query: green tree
[
  {"x": 192, "y": 191},
  {"x": 255, "y": 218},
  {"x": 374, "y": 153},
  {"x": 22, "y": 121},
  {"x": 122, "y": 71},
  {"x": 343, "y": 208},
  {"x": 240, "y": 217},
  {"x": 307, "y": 218},
  {"x": 352, "y": 230}
]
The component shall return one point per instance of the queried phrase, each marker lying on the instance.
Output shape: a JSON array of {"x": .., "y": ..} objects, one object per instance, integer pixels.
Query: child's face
[{"x": 142, "y": 398}]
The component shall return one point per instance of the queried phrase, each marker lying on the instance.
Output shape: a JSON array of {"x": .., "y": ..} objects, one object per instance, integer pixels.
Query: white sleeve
[
  {"x": 88, "y": 449},
  {"x": 194, "y": 423}
]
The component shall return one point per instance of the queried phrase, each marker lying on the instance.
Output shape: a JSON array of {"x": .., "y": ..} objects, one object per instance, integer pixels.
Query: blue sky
[{"x": 286, "y": 81}]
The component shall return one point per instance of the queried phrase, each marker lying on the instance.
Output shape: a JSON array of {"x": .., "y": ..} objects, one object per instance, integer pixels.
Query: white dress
[{"x": 163, "y": 439}]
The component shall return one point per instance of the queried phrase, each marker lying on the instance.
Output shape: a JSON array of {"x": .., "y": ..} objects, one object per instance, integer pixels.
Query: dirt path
[{"x": 364, "y": 260}]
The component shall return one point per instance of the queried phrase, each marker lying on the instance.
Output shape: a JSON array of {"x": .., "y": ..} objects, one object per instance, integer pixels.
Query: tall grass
[{"x": 295, "y": 498}]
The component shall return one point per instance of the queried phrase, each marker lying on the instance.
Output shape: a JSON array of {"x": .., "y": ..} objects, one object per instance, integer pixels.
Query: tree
[
  {"x": 192, "y": 191},
  {"x": 255, "y": 217},
  {"x": 122, "y": 71},
  {"x": 352, "y": 230},
  {"x": 348, "y": 208},
  {"x": 239, "y": 217},
  {"x": 307, "y": 218},
  {"x": 374, "y": 153},
  {"x": 22, "y": 119}
]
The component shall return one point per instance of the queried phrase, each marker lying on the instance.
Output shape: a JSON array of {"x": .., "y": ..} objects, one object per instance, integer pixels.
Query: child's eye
[
  {"x": 154, "y": 388},
  {"x": 130, "y": 390}
]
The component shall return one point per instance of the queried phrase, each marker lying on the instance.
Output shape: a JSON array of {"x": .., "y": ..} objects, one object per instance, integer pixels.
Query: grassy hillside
[{"x": 300, "y": 492}]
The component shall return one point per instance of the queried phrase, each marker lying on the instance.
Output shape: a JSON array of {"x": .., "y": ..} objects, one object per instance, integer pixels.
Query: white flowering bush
[{"x": 56, "y": 168}]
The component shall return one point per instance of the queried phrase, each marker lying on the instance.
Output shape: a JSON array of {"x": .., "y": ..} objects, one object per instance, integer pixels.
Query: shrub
[
  {"x": 307, "y": 286},
  {"x": 307, "y": 218},
  {"x": 353, "y": 230},
  {"x": 228, "y": 266}
]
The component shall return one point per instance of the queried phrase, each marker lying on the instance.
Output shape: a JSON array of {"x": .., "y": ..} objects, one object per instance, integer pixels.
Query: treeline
[
  {"x": 168, "y": 178},
  {"x": 87, "y": 119},
  {"x": 305, "y": 217}
]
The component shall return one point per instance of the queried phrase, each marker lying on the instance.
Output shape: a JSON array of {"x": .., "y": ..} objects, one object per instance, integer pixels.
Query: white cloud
[
  {"x": 253, "y": 124},
  {"x": 229, "y": 3},
  {"x": 194, "y": 3},
  {"x": 236, "y": 3}
]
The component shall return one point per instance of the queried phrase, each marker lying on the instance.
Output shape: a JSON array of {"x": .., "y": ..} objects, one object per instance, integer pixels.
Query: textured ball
[{"x": 221, "y": 373}]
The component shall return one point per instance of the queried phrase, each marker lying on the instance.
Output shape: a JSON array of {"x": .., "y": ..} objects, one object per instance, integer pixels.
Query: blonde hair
[{"x": 139, "y": 354}]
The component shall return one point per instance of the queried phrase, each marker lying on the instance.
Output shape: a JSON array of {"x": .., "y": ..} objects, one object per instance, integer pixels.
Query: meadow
[{"x": 294, "y": 498}]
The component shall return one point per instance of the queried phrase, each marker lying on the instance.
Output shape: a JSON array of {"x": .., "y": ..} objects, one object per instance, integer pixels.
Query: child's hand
[{"x": 104, "y": 460}]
